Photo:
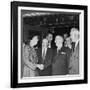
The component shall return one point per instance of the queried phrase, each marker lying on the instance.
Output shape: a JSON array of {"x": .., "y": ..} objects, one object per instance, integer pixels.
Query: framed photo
[{"x": 48, "y": 44}]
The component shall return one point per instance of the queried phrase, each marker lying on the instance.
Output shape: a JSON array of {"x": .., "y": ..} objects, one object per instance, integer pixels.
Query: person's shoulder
[
  {"x": 66, "y": 49},
  {"x": 51, "y": 49},
  {"x": 38, "y": 50},
  {"x": 26, "y": 47}
]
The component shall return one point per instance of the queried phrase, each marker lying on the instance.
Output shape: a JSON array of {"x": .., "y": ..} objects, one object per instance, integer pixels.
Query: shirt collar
[{"x": 76, "y": 43}]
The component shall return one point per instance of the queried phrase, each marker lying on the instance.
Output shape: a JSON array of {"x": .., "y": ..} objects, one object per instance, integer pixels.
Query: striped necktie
[{"x": 43, "y": 54}]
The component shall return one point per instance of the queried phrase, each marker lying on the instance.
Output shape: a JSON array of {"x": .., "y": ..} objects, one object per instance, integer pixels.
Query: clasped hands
[{"x": 40, "y": 66}]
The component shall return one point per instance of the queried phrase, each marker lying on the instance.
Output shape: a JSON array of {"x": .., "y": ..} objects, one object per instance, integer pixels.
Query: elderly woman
[{"x": 30, "y": 58}]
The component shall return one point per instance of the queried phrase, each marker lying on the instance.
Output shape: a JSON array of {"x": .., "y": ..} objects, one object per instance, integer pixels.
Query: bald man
[
  {"x": 45, "y": 59},
  {"x": 60, "y": 59}
]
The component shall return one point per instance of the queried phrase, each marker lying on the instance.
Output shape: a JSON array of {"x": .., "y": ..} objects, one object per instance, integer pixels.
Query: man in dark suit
[
  {"x": 45, "y": 59},
  {"x": 61, "y": 58},
  {"x": 74, "y": 59},
  {"x": 49, "y": 37}
]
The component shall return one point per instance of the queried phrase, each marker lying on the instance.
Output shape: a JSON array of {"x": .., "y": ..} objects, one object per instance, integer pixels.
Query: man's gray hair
[{"x": 75, "y": 30}]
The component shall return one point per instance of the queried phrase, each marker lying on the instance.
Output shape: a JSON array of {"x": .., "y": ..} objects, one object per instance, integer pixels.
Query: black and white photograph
[{"x": 50, "y": 44}]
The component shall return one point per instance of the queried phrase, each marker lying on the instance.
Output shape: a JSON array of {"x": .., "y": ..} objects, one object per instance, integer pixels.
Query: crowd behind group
[{"x": 47, "y": 60}]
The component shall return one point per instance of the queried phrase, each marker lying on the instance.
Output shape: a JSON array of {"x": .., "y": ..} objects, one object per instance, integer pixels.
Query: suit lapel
[
  {"x": 76, "y": 48},
  {"x": 40, "y": 55},
  {"x": 47, "y": 55},
  {"x": 75, "y": 54},
  {"x": 47, "y": 52},
  {"x": 57, "y": 53}
]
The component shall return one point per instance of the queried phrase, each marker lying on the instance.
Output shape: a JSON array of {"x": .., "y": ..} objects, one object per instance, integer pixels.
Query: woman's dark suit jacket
[{"x": 60, "y": 61}]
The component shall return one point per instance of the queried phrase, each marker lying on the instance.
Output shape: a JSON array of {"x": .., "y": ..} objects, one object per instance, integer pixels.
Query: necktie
[
  {"x": 57, "y": 50},
  {"x": 43, "y": 54},
  {"x": 73, "y": 47}
]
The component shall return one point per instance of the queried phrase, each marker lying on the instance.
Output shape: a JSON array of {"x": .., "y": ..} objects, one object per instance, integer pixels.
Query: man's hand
[{"x": 40, "y": 66}]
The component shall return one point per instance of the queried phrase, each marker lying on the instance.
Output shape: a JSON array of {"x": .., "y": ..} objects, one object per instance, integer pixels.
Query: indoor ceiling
[{"x": 51, "y": 20}]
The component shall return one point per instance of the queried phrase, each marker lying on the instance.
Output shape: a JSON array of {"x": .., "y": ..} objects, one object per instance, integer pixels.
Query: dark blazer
[
  {"x": 60, "y": 61},
  {"x": 52, "y": 45},
  {"x": 47, "y": 62}
]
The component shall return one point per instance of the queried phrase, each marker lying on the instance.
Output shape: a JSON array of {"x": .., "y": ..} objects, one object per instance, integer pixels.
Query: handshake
[{"x": 40, "y": 66}]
